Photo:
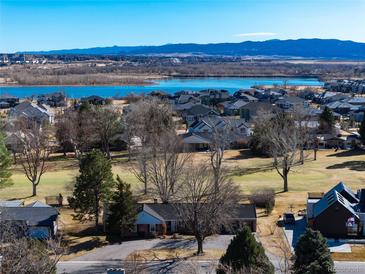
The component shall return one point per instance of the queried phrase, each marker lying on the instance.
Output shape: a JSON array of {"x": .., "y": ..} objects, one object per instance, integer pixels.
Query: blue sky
[{"x": 63, "y": 24}]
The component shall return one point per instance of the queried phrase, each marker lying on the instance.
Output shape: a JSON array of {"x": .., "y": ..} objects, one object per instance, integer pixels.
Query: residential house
[
  {"x": 342, "y": 107},
  {"x": 4, "y": 105},
  {"x": 269, "y": 95},
  {"x": 292, "y": 102},
  {"x": 211, "y": 124},
  {"x": 56, "y": 99},
  {"x": 37, "y": 219},
  {"x": 30, "y": 111},
  {"x": 182, "y": 107},
  {"x": 245, "y": 96},
  {"x": 250, "y": 110},
  {"x": 7, "y": 101},
  {"x": 232, "y": 108},
  {"x": 201, "y": 133},
  {"x": 197, "y": 112},
  {"x": 94, "y": 100},
  {"x": 187, "y": 98},
  {"x": 339, "y": 213},
  {"x": 158, "y": 218},
  {"x": 357, "y": 101},
  {"x": 329, "y": 97},
  {"x": 196, "y": 141},
  {"x": 209, "y": 96}
]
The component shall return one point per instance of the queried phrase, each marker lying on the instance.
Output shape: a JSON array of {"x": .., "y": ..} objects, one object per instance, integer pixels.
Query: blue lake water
[{"x": 167, "y": 85}]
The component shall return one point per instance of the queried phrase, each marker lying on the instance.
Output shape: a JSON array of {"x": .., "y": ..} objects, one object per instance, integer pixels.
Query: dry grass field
[
  {"x": 249, "y": 172},
  {"x": 246, "y": 170}
]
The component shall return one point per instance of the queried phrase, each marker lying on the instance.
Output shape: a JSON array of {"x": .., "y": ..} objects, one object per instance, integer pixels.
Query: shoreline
[{"x": 151, "y": 83}]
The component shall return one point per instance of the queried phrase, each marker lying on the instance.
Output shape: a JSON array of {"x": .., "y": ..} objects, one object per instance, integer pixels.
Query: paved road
[
  {"x": 349, "y": 267},
  {"x": 113, "y": 256},
  {"x": 206, "y": 267}
]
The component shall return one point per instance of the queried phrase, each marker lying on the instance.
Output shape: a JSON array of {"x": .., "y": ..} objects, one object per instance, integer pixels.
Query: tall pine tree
[
  {"x": 5, "y": 163},
  {"x": 245, "y": 254},
  {"x": 122, "y": 208},
  {"x": 312, "y": 254},
  {"x": 93, "y": 186}
]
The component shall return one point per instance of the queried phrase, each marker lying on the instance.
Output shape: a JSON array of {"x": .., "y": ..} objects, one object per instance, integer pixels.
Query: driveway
[
  {"x": 113, "y": 256},
  {"x": 293, "y": 233},
  {"x": 121, "y": 251}
]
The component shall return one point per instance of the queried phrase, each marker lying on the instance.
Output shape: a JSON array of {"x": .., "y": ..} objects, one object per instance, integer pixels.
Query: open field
[{"x": 249, "y": 172}]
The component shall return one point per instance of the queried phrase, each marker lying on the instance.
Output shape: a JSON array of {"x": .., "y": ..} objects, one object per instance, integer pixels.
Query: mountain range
[{"x": 300, "y": 48}]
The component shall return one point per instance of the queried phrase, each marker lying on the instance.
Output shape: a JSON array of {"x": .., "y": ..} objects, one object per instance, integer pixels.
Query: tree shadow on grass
[
  {"x": 245, "y": 154},
  {"x": 352, "y": 165},
  {"x": 75, "y": 246},
  {"x": 348, "y": 153},
  {"x": 251, "y": 170},
  {"x": 171, "y": 244},
  {"x": 21, "y": 198}
]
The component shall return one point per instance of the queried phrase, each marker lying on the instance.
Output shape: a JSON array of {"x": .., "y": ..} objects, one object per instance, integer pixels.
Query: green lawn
[
  {"x": 59, "y": 179},
  {"x": 249, "y": 172}
]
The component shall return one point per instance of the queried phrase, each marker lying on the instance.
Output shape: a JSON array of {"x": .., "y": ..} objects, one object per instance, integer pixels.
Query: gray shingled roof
[
  {"x": 32, "y": 215},
  {"x": 199, "y": 109},
  {"x": 37, "y": 204},
  {"x": 13, "y": 203},
  {"x": 169, "y": 212}
]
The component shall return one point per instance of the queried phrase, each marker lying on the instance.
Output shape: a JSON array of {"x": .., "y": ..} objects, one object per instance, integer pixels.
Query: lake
[{"x": 168, "y": 85}]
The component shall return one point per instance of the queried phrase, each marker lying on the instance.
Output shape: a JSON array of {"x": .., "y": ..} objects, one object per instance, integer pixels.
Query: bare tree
[
  {"x": 107, "y": 124},
  {"x": 148, "y": 119},
  {"x": 20, "y": 254},
  {"x": 36, "y": 148},
  {"x": 201, "y": 208},
  {"x": 302, "y": 123},
  {"x": 223, "y": 133},
  {"x": 140, "y": 169},
  {"x": 166, "y": 167},
  {"x": 280, "y": 134},
  {"x": 76, "y": 127}
]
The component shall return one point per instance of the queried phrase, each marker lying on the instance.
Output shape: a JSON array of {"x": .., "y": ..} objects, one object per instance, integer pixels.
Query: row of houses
[
  {"x": 39, "y": 220},
  {"x": 201, "y": 115},
  {"x": 346, "y": 86}
]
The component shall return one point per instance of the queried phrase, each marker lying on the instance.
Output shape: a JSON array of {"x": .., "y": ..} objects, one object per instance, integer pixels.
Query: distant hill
[{"x": 301, "y": 48}]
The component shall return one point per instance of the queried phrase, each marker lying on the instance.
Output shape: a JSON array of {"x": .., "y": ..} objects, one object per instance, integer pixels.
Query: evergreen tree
[
  {"x": 122, "y": 208},
  {"x": 5, "y": 163},
  {"x": 327, "y": 120},
  {"x": 312, "y": 254},
  {"x": 362, "y": 130},
  {"x": 92, "y": 186},
  {"x": 245, "y": 254}
]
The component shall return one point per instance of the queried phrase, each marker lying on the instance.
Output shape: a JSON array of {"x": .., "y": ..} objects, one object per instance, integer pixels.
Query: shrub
[{"x": 264, "y": 198}]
